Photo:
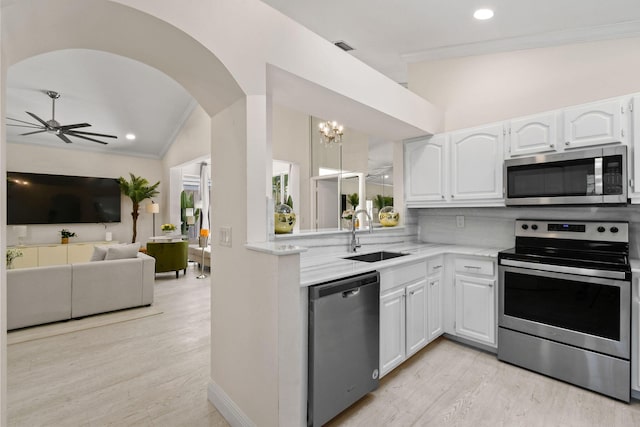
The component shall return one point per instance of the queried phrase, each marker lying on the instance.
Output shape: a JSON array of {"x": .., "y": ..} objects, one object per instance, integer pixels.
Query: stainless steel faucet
[{"x": 355, "y": 243}]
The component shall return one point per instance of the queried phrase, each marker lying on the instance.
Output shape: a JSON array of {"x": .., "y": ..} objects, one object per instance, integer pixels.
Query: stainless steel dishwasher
[{"x": 344, "y": 349}]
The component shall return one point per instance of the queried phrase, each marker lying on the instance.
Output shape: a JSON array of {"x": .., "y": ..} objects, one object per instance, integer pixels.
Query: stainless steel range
[{"x": 565, "y": 303}]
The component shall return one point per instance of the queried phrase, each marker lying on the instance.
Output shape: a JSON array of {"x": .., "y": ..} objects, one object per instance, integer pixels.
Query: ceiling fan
[{"x": 52, "y": 126}]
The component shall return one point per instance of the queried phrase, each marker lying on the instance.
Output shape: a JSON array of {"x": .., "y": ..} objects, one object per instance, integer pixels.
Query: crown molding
[{"x": 554, "y": 38}]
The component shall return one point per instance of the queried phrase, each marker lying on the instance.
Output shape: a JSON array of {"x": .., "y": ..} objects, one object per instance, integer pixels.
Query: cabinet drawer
[
  {"x": 401, "y": 275},
  {"x": 435, "y": 265},
  {"x": 475, "y": 266}
]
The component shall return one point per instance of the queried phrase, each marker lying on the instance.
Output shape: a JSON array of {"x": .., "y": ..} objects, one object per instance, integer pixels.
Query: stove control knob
[
  {"x": 614, "y": 229},
  {"x": 525, "y": 226},
  {"x": 534, "y": 227},
  {"x": 601, "y": 229}
]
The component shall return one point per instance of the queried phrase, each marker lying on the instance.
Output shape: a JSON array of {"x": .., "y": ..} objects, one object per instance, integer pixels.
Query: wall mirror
[{"x": 323, "y": 181}]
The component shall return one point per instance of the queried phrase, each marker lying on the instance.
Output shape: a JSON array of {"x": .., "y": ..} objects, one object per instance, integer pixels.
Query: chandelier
[{"x": 331, "y": 133}]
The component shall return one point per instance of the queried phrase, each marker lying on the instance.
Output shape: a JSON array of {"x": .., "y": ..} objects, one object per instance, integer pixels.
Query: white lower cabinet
[
  {"x": 403, "y": 315},
  {"x": 635, "y": 333},
  {"x": 435, "y": 274},
  {"x": 475, "y": 308},
  {"x": 475, "y": 299},
  {"x": 419, "y": 299},
  {"x": 416, "y": 301},
  {"x": 392, "y": 330}
]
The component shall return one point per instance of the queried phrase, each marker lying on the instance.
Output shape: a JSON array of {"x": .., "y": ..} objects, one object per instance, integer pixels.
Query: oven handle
[{"x": 565, "y": 269}]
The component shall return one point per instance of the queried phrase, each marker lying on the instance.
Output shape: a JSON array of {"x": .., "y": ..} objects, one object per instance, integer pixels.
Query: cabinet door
[
  {"x": 425, "y": 169},
  {"x": 593, "y": 124},
  {"x": 475, "y": 308},
  {"x": 52, "y": 255},
  {"x": 634, "y": 157},
  {"x": 434, "y": 310},
  {"x": 28, "y": 259},
  {"x": 416, "y": 316},
  {"x": 635, "y": 341},
  {"x": 79, "y": 252},
  {"x": 476, "y": 163},
  {"x": 392, "y": 330},
  {"x": 532, "y": 135}
]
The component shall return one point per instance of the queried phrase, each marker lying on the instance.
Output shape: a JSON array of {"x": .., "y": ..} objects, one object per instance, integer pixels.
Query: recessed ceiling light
[
  {"x": 130, "y": 136},
  {"x": 483, "y": 14}
]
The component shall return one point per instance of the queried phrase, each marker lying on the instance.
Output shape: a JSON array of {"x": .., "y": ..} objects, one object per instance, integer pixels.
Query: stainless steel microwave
[{"x": 595, "y": 176}]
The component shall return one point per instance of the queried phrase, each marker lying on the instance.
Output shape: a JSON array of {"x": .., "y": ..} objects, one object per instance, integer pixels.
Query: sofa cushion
[
  {"x": 122, "y": 251},
  {"x": 38, "y": 295},
  {"x": 99, "y": 253},
  {"x": 99, "y": 287}
]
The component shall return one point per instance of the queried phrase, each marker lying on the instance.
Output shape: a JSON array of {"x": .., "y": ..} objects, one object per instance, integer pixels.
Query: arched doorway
[{"x": 138, "y": 36}]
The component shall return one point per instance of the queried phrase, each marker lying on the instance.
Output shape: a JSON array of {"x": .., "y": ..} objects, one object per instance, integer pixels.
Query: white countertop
[{"x": 319, "y": 269}]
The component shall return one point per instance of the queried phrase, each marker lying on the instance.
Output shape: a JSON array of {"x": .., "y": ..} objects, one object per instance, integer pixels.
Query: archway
[{"x": 138, "y": 36}]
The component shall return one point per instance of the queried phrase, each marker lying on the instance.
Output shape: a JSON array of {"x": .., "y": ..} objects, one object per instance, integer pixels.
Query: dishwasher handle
[
  {"x": 349, "y": 285},
  {"x": 351, "y": 293}
]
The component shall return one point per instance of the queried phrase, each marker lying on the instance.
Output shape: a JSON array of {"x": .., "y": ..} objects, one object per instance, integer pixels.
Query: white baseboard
[{"x": 227, "y": 407}]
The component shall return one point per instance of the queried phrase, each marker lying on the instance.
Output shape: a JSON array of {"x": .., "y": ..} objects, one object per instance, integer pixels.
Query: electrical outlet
[
  {"x": 460, "y": 221},
  {"x": 225, "y": 236}
]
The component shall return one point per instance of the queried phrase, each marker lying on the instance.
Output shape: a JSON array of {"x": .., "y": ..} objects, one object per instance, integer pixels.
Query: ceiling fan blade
[
  {"x": 85, "y": 137},
  {"x": 38, "y": 119},
  {"x": 25, "y": 126},
  {"x": 22, "y": 121},
  {"x": 64, "y": 138},
  {"x": 31, "y": 133},
  {"x": 77, "y": 125},
  {"x": 79, "y": 132}
]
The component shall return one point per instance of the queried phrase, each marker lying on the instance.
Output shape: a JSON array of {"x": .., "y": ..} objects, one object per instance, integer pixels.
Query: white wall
[
  {"x": 22, "y": 157},
  {"x": 191, "y": 146},
  {"x": 486, "y": 88},
  {"x": 290, "y": 142},
  {"x": 244, "y": 309}
]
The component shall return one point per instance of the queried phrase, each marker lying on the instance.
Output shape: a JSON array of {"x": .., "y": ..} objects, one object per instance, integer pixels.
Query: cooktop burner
[{"x": 600, "y": 245}]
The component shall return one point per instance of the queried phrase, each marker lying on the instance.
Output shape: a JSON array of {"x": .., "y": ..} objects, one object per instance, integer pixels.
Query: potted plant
[
  {"x": 137, "y": 189},
  {"x": 65, "y": 234},
  {"x": 168, "y": 228},
  {"x": 354, "y": 200},
  {"x": 12, "y": 253}
]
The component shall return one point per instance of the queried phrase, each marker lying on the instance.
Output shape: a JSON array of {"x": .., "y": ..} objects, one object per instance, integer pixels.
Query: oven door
[{"x": 587, "y": 312}]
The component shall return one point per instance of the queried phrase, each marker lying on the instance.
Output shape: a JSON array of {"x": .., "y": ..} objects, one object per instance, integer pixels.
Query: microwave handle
[{"x": 597, "y": 168}]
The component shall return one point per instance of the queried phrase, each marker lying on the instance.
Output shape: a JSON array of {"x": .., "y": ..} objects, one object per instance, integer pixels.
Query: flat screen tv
[{"x": 34, "y": 198}]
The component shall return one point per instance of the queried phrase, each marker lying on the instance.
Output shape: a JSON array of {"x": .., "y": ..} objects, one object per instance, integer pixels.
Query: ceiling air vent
[{"x": 342, "y": 45}]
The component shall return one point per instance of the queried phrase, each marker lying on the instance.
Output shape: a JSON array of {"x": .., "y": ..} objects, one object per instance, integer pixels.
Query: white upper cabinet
[
  {"x": 476, "y": 163},
  {"x": 594, "y": 124},
  {"x": 425, "y": 169},
  {"x": 634, "y": 150},
  {"x": 532, "y": 135}
]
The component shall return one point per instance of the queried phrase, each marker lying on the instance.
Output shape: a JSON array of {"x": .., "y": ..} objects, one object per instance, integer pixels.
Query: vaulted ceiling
[{"x": 118, "y": 95}]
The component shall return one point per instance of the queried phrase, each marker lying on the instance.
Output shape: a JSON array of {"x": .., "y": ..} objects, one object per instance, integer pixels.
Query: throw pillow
[
  {"x": 122, "y": 251},
  {"x": 99, "y": 253}
]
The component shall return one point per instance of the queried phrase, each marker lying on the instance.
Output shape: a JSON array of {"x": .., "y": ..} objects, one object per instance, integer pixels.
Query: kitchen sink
[{"x": 375, "y": 256}]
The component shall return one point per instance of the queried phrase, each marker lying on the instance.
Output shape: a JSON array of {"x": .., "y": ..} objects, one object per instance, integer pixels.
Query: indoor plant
[
  {"x": 12, "y": 253},
  {"x": 137, "y": 189},
  {"x": 187, "y": 202},
  {"x": 65, "y": 234},
  {"x": 168, "y": 228}
]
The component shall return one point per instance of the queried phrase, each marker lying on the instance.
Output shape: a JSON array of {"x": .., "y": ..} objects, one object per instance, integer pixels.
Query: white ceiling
[
  {"x": 389, "y": 34},
  {"x": 116, "y": 95}
]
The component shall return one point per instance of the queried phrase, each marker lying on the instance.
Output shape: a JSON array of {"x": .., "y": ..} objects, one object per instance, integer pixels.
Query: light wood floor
[
  {"x": 154, "y": 371},
  {"x": 449, "y": 384}
]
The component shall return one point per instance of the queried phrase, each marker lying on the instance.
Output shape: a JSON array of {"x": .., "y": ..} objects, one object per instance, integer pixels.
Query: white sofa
[{"x": 48, "y": 294}]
